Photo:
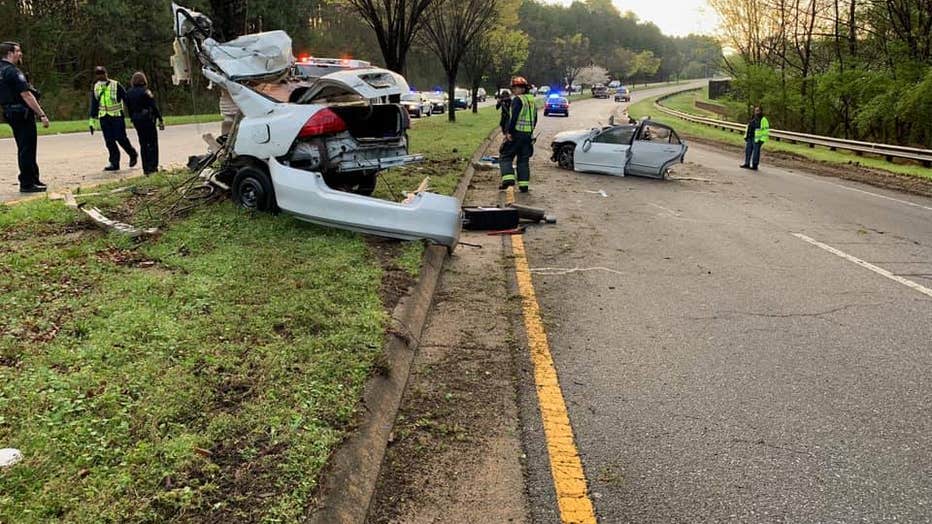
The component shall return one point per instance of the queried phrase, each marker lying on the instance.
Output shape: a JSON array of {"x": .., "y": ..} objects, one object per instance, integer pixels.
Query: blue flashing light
[{"x": 554, "y": 95}]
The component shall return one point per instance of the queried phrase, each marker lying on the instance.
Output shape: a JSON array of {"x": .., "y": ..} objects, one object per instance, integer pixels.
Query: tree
[
  {"x": 454, "y": 26},
  {"x": 499, "y": 49},
  {"x": 592, "y": 75},
  {"x": 572, "y": 54},
  {"x": 396, "y": 23}
]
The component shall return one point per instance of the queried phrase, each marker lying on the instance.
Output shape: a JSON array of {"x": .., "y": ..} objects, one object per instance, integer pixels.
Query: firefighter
[
  {"x": 519, "y": 137},
  {"x": 107, "y": 107},
  {"x": 20, "y": 103}
]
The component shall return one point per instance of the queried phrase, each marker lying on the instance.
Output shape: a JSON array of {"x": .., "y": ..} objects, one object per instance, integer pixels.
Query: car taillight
[{"x": 324, "y": 122}]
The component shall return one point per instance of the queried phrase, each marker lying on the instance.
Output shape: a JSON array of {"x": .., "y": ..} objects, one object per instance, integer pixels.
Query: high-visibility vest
[
  {"x": 762, "y": 133},
  {"x": 106, "y": 94},
  {"x": 527, "y": 118}
]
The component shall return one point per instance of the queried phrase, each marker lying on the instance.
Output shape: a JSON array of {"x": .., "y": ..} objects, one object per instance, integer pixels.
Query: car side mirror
[{"x": 587, "y": 145}]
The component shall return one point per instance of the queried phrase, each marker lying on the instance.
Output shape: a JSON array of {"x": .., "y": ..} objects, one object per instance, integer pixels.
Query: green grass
[
  {"x": 203, "y": 375},
  {"x": 686, "y": 102},
  {"x": 80, "y": 126},
  {"x": 690, "y": 129}
]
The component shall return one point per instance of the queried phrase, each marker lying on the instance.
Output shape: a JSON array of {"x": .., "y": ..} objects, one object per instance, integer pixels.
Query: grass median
[
  {"x": 202, "y": 375},
  {"x": 80, "y": 126},
  {"x": 682, "y": 102}
]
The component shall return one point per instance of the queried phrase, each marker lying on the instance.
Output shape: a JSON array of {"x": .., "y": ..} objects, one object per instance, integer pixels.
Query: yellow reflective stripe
[{"x": 508, "y": 178}]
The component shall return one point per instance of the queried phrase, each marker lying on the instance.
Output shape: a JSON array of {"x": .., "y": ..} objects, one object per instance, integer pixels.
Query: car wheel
[
  {"x": 565, "y": 156},
  {"x": 546, "y": 113},
  {"x": 252, "y": 189},
  {"x": 418, "y": 114},
  {"x": 567, "y": 114}
]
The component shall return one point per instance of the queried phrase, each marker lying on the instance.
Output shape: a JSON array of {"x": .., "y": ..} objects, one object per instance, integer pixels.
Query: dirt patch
[
  {"x": 454, "y": 455},
  {"x": 850, "y": 171},
  {"x": 396, "y": 282}
]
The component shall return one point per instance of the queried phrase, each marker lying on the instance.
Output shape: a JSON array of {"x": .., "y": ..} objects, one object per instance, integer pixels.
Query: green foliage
[{"x": 612, "y": 40}]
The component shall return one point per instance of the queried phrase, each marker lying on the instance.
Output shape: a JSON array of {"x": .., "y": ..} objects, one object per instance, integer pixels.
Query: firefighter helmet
[{"x": 519, "y": 81}]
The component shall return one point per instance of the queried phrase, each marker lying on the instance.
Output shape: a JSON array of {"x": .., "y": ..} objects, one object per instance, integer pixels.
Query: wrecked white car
[
  {"x": 316, "y": 155},
  {"x": 647, "y": 148}
]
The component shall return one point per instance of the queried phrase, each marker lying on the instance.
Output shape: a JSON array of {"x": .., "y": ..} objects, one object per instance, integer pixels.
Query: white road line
[{"x": 879, "y": 270}]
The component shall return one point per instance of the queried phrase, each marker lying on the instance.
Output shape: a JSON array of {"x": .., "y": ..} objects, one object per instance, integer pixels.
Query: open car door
[
  {"x": 655, "y": 149},
  {"x": 606, "y": 152}
]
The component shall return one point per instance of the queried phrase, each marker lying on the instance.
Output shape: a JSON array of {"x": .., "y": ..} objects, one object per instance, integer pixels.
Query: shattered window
[{"x": 616, "y": 135}]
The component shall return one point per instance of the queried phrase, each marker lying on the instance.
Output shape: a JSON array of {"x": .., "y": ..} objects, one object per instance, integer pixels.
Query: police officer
[
  {"x": 20, "y": 109},
  {"x": 144, "y": 112},
  {"x": 107, "y": 106},
  {"x": 519, "y": 137}
]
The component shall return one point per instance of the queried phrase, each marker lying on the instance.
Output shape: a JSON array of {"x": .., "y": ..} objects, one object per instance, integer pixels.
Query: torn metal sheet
[{"x": 106, "y": 223}]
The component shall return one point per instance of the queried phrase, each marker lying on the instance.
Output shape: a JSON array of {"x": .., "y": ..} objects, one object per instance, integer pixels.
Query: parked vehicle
[
  {"x": 438, "y": 102},
  {"x": 646, "y": 148},
  {"x": 622, "y": 94},
  {"x": 461, "y": 99},
  {"x": 543, "y": 91},
  {"x": 316, "y": 158},
  {"x": 481, "y": 95},
  {"x": 417, "y": 104},
  {"x": 599, "y": 91},
  {"x": 557, "y": 105}
]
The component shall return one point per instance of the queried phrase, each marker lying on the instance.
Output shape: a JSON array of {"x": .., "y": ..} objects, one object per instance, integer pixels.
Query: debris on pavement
[{"x": 599, "y": 192}]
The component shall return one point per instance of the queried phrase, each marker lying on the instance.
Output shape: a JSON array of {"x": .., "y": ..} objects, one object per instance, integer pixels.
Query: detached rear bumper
[{"x": 428, "y": 216}]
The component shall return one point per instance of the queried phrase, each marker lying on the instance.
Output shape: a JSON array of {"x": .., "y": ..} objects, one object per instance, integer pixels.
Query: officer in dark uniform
[{"x": 20, "y": 108}]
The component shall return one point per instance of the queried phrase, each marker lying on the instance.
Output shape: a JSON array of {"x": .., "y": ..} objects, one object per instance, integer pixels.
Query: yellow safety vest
[
  {"x": 762, "y": 133},
  {"x": 527, "y": 118},
  {"x": 106, "y": 94}
]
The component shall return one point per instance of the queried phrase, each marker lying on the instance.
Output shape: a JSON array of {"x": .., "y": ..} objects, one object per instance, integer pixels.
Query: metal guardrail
[{"x": 889, "y": 152}]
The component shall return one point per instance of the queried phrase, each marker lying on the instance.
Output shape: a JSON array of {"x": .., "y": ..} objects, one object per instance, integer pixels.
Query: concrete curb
[{"x": 348, "y": 485}]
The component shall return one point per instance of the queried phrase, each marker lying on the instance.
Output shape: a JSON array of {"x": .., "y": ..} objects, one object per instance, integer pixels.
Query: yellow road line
[{"x": 569, "y": 480}]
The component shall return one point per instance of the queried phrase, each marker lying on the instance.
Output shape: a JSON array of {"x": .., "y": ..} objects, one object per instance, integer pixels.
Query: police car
[{"x": 556, "y": 104}]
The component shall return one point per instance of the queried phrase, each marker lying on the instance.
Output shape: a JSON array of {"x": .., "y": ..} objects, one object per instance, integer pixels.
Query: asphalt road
[{"x": 716, "y": 366}]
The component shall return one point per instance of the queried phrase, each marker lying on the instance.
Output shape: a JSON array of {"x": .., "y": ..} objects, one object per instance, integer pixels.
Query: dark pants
[
  {"x": 148, "y": 144},
  {"x": 23, "y": 123},
  {"x": 521, "y": 148},
  {"x": 752, "y": 153},
  {"x": 114, "y": 131}
]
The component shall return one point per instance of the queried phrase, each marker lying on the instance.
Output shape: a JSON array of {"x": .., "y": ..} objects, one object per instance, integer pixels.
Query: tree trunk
[
  {"x": 451, "y": 92},
  {"x": 475, "y": 96}
]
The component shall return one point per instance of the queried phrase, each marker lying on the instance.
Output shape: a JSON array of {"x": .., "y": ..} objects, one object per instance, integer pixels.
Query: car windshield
[
  {"x": 460, "y": 93},
  {"x": 410, "y": 98}
]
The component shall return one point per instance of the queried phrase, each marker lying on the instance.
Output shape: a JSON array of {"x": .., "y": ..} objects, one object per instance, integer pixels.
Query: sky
[{"x": 673, "y": 17}]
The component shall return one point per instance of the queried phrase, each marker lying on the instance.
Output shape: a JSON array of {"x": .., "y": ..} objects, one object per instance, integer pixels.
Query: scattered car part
[{"x": 490, "y": 218}]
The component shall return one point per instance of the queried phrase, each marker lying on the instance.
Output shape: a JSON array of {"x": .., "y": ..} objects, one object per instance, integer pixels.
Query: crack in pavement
[{"x": 816, "y": 314}]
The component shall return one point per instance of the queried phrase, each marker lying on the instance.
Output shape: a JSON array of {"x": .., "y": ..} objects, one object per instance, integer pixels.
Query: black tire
[
  {"x": 565, "y": 156},
  {"x": 252, "y": 189},
  {"x": 546, "y": 113},
  {"x": 567, "y": 114},
  {"x": 366, "y": 185}
]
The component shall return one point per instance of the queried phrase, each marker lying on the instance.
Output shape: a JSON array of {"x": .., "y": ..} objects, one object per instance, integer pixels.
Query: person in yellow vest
[
  {"x": 107, "y": 108},
  {"x": 519, "y": 141},
  {"x": 757, "y": 132}
]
